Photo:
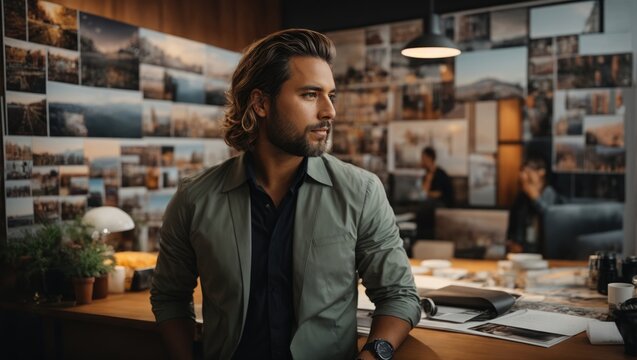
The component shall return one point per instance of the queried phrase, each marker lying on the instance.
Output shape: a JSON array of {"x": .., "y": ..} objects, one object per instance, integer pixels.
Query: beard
[{"x": 283, "y": 135}]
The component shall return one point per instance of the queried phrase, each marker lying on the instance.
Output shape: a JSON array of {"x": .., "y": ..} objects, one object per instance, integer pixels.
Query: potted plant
[
  {"x": 36, "y": 260},
  {"x": 87, "y": 259}
]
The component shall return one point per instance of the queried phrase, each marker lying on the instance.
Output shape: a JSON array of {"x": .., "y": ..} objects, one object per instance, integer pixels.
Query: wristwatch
[{"x": 381, "y": 349}]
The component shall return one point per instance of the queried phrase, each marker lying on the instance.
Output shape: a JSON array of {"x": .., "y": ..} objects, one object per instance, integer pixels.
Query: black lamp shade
[{"x": 430, "y": 46}]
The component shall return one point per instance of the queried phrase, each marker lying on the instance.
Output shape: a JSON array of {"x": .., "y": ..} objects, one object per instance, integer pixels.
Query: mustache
[{"x": 321, "y": 125}]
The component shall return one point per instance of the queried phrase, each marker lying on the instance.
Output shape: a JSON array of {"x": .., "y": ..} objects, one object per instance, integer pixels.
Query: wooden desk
[{"x": 122, "y": 326}]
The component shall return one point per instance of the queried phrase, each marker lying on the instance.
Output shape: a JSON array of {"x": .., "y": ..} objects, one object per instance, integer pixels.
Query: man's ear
[{"x": 260, "y": 103}]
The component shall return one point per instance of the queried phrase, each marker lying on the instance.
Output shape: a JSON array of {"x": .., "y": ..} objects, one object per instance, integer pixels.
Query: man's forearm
[
  {"x": 178, "y": 336},
  {"x": 389, "y": 328}
]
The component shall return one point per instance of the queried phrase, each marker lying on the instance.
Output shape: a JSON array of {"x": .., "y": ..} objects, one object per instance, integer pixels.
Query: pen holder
[{"x": 626, "y": 320}]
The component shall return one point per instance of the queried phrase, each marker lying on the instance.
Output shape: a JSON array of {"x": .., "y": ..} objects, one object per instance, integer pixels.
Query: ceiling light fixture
[{"x": 430, "y": 45}]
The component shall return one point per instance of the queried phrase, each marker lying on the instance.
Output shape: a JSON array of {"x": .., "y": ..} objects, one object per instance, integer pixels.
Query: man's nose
[{"x": 326, "y": 110}]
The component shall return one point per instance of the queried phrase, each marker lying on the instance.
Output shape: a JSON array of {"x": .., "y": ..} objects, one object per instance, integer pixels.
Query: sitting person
[
  {"x": 436, "y": 184},
  {"x": 438, "y": 189},
  {"x": 524, "y": 228}
]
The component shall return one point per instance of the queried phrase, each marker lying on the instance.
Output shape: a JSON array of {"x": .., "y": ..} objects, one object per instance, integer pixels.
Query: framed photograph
[
  {"x": 606, "y": 131},
  {"x": 133, "y": 200},
  {"x": 448, "y": 137},
  {"x": 216, "y": 151},
  {"x": 578, "y": 17},
  {"x": 18, "y": 169},
  {"x": 96, "y": 192},
  {"x": 19, "y": 212},
  {"x": 169, "y": 177},
  {"x": 64, "y": 66},
  {"x": 538, "y": 113},
  {"x": 25, "y": 67},
  {"x": 509, "y": 28},
  {"x": 94, "y": 112},
  {"x": 15, "y": 20},
  {"x": 156, "y": 118},
  {"x": 103, "y": 157},
  {"x": 486, "y": 127},
  {"x": 26, "y": 114},
  {"x": 482, "y": 180},
  {"x": 18, "y": 188},
  {"x": 188, "y": 153},
  {"x": 183, "y": 54},
  {"x": 51, "y": 151},
  {"x": 46, "y": 209},
  {"x": 566, "y": 46},
  {"x": 473, "y": 31},
  {"x": 595, "y": 71},
  {"x": 490, "y": 75},
  {"x": 157, "y": 203},
  {"x": 181, "y": 86},
  {"x": 604, "y": 44},
  {"x": 568, "y": 153},
  {"x": 349, "y": 66},
  {"x": 592, "y": 101},
  {"x": 365, "y": 105},
  {"x": 18, "y": 148},
  {"x": 541, "y": 47},
  {"x": 473, "y": 231},
  {"x": 400, "y": 34},
  {"x": 541, "y": 66},
  {"x": 220, "y": 63},
  {"x": 152, "y": 47},
  {"x": 74, "y": 180},
  {"x": 428, "y": 100},
  {"x": 604, "y": 159},
  {"x": 72, "y": 207},
  {"x": 153, "y": 86},
  {"x": 45, "y": 181},
  {"x": 215, "y": 91},
  {"x": 109, "y": 53},
  {"x": 52, "y": 24}
]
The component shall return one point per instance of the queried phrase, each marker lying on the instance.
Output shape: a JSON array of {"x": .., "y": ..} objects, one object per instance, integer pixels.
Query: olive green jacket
[{"x": 344, "y": 228}]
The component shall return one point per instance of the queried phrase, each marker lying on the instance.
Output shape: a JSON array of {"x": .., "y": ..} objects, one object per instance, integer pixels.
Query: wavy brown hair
[{"x": 265, "y": 66}]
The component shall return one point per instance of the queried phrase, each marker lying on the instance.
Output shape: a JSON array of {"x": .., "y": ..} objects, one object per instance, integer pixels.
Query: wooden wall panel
[
  {"x": 228, "y": 24},
  {"x": 509, "y": 162},
  {"x": 510, "y": 120}
]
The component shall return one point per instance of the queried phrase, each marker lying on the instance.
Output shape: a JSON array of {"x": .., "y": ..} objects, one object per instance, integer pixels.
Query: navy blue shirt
[{"x": 268, "y": 327}]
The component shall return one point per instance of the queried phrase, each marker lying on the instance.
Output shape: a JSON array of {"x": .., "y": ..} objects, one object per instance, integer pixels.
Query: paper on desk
[
  {"x": 426, "y": 282},
  {"x": 455, "y": 314},
  {"x": 545, "y": 321}
]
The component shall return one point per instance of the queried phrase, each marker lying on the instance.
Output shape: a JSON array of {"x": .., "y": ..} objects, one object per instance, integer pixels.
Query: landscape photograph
[
  {"x": 51, "y": 151},
  {"x": 45, "y": 180},
  {"x": 473, "y": 32},
  {"x": 490, "y": 75},
  {"x": 109, "y": 53},
  {"x": 365, "y": 105},
  {"x": 26, "y": 114},
  {"x": 15, "y": 21},
  {"x": 156, "y": 118},
  {"x": 52, "y": 24},
  {"x": 74, "y": 180},
  {"x": 17, "y": 148},
  {"x": 216, "y": 91},
  {"x": 185, "y": 87},
  {"x": 220, "y": 63},
  {"x": 64, "y": 66},
  {"x": 151, "y": 47},
  {"x": 19, "y": 212},
  {"x": 93, "y": 112},
  {"x": 564, "y": 19},
  {"x": 46, "y": 209},
  {"x": 72, "y": 207},
  {"x": 25, "y": 67},
  {"x": 604, "y": 130},
  {"x": 184, "y": 54},
  {"x": 569, "y": 153},
  {"x": 349, "y": 66},
  {"x": 153, "y": 82},
  {"x": 509, "y": 28},
  {"x": 605, "y": 159},
  {"x": 18, "y": 188}
]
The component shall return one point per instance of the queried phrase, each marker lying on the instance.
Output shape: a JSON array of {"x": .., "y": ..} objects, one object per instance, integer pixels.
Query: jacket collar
[{"x": 236, "y": 174}]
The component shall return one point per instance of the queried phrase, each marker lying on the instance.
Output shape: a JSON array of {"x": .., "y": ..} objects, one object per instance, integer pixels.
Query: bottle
[{"x": 607, "y": 272}]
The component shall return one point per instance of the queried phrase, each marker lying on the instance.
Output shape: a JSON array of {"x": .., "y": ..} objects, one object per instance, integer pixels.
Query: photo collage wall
[
  {"x": 551, "y": 74},
  {"x": 99, "y": 112}
]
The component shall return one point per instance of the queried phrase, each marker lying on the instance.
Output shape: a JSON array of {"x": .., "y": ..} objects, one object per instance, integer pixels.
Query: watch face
[{"x": 384, "y": 350}]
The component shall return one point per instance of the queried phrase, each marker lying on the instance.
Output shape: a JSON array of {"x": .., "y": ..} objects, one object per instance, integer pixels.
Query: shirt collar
[{"x": 298, "y": 177}]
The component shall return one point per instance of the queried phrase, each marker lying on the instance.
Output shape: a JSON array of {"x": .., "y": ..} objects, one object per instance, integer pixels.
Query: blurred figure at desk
[
  {"x": 437, "y": 191},
  {"x": 524, "y": 230}
]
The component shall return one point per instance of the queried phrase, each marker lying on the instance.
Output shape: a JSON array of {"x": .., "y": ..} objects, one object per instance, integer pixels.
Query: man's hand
[{"x": 532, "y": 182}]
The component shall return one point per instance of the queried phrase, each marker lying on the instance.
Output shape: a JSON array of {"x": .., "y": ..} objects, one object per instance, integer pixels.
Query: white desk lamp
[{"x": 108, "y": 219}]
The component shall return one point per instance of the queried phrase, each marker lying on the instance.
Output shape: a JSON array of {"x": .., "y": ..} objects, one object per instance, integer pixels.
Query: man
[
  {"x": 436, "y": 184},
  {"x": 279, "y": 235},
  {"x": 524, "y": 227}
]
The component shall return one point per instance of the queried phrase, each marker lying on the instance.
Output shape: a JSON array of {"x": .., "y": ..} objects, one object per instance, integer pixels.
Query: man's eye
[
  {"x": 333, "y": 98},
  {"x": 310, "y": 95}
]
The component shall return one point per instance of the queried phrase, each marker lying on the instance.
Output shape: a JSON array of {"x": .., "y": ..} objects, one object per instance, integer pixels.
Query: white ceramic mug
[{"x": 619, "y": 293}]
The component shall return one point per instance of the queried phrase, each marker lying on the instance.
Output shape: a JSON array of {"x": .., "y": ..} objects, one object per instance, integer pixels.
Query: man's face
[
  {"x": 426, "y": 162},
  {"x": 300, "y": 120}
]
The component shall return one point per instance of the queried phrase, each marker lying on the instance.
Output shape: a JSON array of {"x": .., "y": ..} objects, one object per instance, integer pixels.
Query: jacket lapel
[
  {"x": 307, "y": 207},
  {"x": 238, "y": 192}
]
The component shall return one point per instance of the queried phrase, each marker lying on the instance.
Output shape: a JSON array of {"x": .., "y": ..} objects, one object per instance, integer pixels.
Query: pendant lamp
[{"x": 430, "y": 45}]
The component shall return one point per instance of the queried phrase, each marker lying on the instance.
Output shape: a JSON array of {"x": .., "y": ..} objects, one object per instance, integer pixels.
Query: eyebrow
[{"x": 315, "y": 88}]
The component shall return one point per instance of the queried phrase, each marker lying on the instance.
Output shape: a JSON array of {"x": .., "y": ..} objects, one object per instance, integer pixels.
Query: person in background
[
  {"x": 280, "y": 235},
  {"x": 524, "y": 231},
  {"x": 436, "y": 184}
]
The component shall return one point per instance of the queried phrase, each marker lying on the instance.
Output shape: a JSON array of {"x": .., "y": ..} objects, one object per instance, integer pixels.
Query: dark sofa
[{"x": 576, "y": 230}]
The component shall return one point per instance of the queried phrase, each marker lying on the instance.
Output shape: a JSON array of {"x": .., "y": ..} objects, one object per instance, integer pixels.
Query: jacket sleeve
[
  {"x": 175, "y": 276},
  {"x": 381, "y": 260}
]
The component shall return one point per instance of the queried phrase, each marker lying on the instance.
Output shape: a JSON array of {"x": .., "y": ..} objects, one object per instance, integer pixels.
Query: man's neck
[{"x": 274, "y": 170}]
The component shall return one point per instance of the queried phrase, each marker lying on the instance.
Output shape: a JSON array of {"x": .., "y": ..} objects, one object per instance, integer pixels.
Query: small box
[{"x": 142, "y": 279}]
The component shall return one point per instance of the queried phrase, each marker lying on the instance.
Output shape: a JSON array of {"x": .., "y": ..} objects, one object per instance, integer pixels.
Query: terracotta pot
[
  {"x": 83, "y": 290},
  {"x": 100, "y": 288}
]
